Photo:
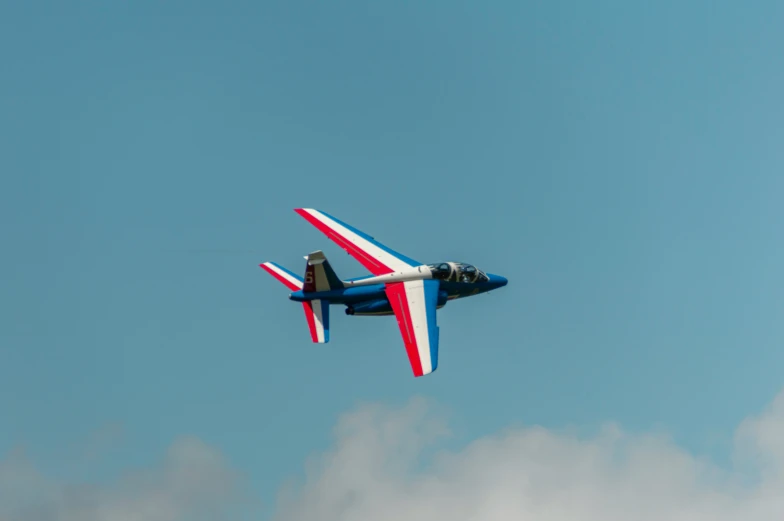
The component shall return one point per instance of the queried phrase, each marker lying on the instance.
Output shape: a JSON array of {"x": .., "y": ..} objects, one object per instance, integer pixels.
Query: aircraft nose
[{"x": 498, "y": 280}]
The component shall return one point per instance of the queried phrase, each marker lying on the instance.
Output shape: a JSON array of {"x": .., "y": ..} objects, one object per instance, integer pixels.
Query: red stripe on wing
[
  {"x": 308, "y": 307},
  {"x": 396, "y": 293},
  {"x": 371, "y": 263},
  {"x": 286, "y": 282}
]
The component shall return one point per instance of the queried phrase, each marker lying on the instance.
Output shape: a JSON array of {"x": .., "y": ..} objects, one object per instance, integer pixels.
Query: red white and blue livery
[{"x": 399, "y": 285}]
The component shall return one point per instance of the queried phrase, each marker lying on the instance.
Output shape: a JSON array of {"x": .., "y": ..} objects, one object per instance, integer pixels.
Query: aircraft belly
[{"x": 376, "y": 307}]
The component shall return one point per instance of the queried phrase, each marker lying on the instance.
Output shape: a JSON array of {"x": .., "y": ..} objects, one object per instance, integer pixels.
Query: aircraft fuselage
[{"x": 366, "y": 295}]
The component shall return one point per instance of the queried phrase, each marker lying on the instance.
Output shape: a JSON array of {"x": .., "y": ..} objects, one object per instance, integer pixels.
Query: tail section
[
  {"x": 319, "y": 276},
  {"x": 317, "y": 314},
  {"x": 284, "y": 276}
]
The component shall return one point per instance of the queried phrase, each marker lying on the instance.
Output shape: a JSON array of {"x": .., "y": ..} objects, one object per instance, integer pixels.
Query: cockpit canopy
[{"x": 457, "y": 272}]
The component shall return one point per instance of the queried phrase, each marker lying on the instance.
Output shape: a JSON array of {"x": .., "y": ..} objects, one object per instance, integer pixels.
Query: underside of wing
[
  {"x": 415, "y": 303},
  {"x": 374, "y": 256}
]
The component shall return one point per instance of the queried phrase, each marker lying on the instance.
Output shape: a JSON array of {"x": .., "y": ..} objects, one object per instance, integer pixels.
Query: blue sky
[{"x": 619, "y": 162}]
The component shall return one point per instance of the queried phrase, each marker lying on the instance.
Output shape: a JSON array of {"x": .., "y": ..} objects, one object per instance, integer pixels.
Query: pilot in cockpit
[
  {"x": 467, "y": 273},
  {"x": 457, "y": 272},
  {"x": 441, "y": 271}
]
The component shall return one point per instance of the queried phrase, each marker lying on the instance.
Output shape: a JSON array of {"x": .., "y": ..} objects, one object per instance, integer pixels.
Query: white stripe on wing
[
  {"x": 386, "y": 258},
  {"x": 415, "y": 294}
]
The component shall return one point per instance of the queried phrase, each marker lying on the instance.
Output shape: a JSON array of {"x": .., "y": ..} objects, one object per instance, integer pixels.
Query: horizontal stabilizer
[
  {"x": 284, "y": 276},
  {"x": 317, "y": 315},
  {"x": 319, "y": 276}
]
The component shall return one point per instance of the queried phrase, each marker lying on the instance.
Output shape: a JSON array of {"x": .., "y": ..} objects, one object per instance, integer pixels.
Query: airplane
[{"x": 399, "y": 285}]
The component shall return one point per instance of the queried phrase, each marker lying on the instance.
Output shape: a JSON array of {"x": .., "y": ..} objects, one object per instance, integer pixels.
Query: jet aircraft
[{"x": 399, "y": 285}]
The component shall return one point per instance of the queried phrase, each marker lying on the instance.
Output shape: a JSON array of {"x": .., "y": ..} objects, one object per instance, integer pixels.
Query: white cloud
[
  {"x": 193, "y": 482},
  {"x": 377, "y": 470},
  {"x": 381, "y": 468}
]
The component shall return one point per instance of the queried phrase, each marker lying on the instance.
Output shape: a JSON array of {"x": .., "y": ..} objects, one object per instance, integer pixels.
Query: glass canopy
[{"x": 457, "y": 272}]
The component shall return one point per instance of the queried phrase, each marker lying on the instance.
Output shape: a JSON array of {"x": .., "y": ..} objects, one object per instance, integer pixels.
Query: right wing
[
  {"x": 415, "y": 303},
  {"x": 373, "y": 255}
]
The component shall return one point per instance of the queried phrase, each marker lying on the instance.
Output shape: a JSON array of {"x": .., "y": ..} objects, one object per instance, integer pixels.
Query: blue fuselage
[{"x": 372, "y": 299}]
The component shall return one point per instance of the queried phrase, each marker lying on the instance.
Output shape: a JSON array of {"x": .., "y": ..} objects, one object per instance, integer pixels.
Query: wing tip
[
  {"x": 284, "y": 276},
  {"x": 272, "y": 267}
]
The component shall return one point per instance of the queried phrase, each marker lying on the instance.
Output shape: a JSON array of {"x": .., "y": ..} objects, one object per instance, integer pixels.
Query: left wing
[
  {"x": 414, "y": 303},
  {"x": 377, "y": 258}
]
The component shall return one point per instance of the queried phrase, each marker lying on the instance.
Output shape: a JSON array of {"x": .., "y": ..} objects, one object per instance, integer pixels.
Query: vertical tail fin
[{"x": 319, "y": 275}]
